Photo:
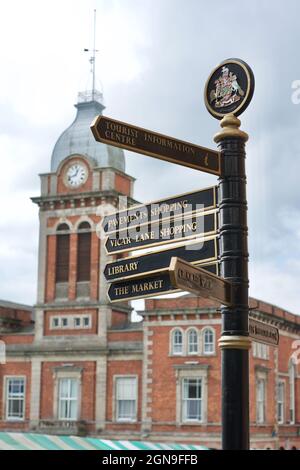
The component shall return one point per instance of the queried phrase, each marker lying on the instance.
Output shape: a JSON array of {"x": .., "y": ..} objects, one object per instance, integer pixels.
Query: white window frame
[
  {"x": 116, "y": 401},
  {"x": 204, "y": 331},
  {"x": 261, "y": 404},
  {"x": 67, "y": 326},
  {"x": 292, "y": 377},
  {"x": 184, "y": 400},
  {"x": 7, "y": 379},
  {"x": 53, "y": 327},
  {"x": 87, "y": 327},
  {"x": 66, "y": 373},
  {"x": 172, "y": 342},
  {"x": 189, "y": 343},
  {"x": 200, "y": 372},
  {"x": 68, "y": 399},
  {"x": 75, "y": 318},
  {"x": 281, "y": 401}
]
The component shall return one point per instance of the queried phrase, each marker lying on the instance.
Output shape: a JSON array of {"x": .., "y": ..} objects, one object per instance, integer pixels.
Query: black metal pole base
[{"x": 234, "y": 341}]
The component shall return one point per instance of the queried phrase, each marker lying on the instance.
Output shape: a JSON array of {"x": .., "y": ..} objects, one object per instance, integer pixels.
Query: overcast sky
[{"x": 155, "y": 56}]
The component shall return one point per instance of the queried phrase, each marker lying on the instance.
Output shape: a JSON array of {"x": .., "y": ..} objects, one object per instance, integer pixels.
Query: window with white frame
[
  {"x": 177, "y": 342},
  {"x": 208, "y": 341},
  {"x": 192, "y": 399},
  {"x": 292, "y": 374},
  {"x": 77, "y": 322},
  {"x": 68, "y": 399},
  {"x": 280, "y": 402},
  {"x": 15, "y": 398},
  {"x": 193, "y": 342},
  {"x": 260, "y": 350},
  {"x": 64, "y": 322},
  {"x": 126, "y": 398},
  {"x": 260, "y": 400},
  {"x": 87, "y": 321},
  {"x": 55, "y": 322}
]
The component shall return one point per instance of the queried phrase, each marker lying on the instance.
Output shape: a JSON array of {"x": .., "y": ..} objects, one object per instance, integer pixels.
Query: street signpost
[
  {"x": 228, "y": 92},
  {"x": 181, "y": 204},
  {"x": 263, "y": 332},
  {"x": 137, "y": 139},
  {"x": 149, "y": 286},
  {"x": 150, "y": 263},
  {"x": 162, "y": 232},
  {"x": 195, "y": 279}
]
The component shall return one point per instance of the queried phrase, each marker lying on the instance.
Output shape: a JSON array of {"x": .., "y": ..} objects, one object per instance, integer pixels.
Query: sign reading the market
[
  {"x": 263, "y": 333},
  {"x": 123, "y": 135},
  {"x": 187, "y": 203},
  {"x": 229, "y": 88},
  {"x": 194, "y": 279},
  {"x": 151, "y": 263},
  {"x": 165, "y": 231},
  {"x": 150, "y": 286}
]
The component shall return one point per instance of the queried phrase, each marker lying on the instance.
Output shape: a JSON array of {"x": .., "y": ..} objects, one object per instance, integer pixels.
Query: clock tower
[{"x": 72, "y": 292}]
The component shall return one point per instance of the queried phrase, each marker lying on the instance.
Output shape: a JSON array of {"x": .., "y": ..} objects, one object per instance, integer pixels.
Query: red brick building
[{"x": 77, "y": 364}]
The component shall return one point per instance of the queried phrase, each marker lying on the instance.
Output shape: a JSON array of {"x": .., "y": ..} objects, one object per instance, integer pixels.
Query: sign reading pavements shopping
[
  {"x": 205, "y": 199},
  {"x": 263, "y": 333},
  {"x": 143, "y": 141},
  {"x": 151, "y": 263},
  {"x": 194, "y": 279},
  {"x": 164, "y": 232},
  {"x": 150, "y": 286}
]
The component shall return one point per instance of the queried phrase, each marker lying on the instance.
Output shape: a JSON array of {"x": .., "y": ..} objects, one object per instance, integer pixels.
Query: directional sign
[
  {"x": 194, "y": 279},
  {"x": 164, "y": 232},
  {"x": 151, "y": 263},
  {"x": 150, "y": 286},
  {"x": 161, "y": 209},
  {"x": 263, "y": 333},
  {"x": 137, "y": 139}
]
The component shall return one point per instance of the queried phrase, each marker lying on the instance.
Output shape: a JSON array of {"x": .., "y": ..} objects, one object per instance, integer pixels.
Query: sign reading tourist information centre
[{"x": 209, "y": 240}]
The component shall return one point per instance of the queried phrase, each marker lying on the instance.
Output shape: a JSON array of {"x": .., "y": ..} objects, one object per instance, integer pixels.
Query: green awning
[{"x": 30, "y": 441}]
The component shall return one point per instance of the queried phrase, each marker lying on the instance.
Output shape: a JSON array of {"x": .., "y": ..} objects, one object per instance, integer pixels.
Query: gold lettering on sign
[
  {"x": 147, "y": 286},
  {"x": 168, "y": 143},
  {"x": 121, "y": 291},
  {"x": 113, "y": 270},
  {"x": 122, "y": 134},
  {"x": 197, "y": 279}
]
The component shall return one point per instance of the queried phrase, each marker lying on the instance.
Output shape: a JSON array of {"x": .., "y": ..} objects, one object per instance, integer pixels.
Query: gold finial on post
[{"x": 230, "y": 128}]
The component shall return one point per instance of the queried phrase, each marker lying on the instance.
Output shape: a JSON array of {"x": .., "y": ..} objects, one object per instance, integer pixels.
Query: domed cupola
[{"x": 78, "y": 138}]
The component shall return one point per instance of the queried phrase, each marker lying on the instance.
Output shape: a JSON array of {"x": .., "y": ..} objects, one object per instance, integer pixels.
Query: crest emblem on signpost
[{"x": 229, "y": 88}]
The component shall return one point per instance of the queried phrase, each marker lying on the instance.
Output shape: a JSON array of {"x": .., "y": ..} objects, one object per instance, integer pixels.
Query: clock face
[{"x": 76, "y": 175}]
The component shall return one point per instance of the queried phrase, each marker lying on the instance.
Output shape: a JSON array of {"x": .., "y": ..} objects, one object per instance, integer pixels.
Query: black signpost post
[{"x": 228, "y": 92}]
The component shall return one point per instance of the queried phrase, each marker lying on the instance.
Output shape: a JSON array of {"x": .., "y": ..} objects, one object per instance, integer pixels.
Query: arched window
[
  {"x": 84, "y": 252},
  {"x": 208, "y": 341},
  {"x": 177, "y": 342},
  {"x": 192, "y": 341},
  {"x": 292, "y": 375},
  {"x": 62, "y": 254}
]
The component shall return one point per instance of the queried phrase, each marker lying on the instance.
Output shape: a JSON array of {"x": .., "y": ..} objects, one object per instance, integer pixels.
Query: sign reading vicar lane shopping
[
  {"x": 166, "y": 231},
  {"x": 123, "y": 135}
]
